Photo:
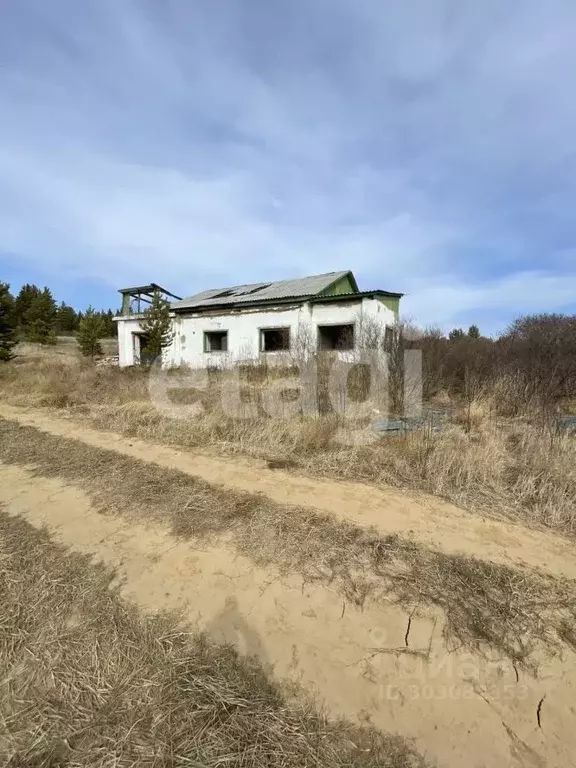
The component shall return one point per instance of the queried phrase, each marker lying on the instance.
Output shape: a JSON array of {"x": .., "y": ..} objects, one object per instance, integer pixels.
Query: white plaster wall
[
  {"x": 244, "y": 331},
  {"x": 126, "y": 328}
]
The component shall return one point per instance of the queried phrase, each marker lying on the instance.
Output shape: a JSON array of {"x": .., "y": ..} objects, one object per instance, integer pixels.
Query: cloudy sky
[{"x": 427, "y": 145}]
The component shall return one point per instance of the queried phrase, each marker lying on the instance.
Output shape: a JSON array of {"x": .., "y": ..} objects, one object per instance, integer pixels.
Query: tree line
[
  {"x": 34, "y": 315},
  {"x": 532, "y": 363}
]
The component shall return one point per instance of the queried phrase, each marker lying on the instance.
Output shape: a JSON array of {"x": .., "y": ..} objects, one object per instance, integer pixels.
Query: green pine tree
[
  {"x": 40, "y": 319},
  {"x": 108, "y": 325},
  {"x": 90, "y": 331},
  {"x": 22, "y": 304},
  {"x": 8, "y": 323},
  {"x": 66, "y": 319},
  {"x": 157, "y": 326},
  {"x": 473, "y": 332},
  {"x": 456, "y": 334},
  {"x": 111, "y": 330}
]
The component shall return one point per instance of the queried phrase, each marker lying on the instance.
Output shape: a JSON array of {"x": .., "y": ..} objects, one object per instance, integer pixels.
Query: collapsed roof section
[{"x": 134, "y": 298}]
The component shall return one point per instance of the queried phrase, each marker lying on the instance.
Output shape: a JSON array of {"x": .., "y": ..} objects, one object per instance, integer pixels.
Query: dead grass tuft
[
  {"x": 512, "y": 610},
  {"x": 87, "y": 681}
]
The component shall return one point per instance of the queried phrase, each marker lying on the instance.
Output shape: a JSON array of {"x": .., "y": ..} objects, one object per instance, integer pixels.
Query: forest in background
[{"x": 38, "y": 318}]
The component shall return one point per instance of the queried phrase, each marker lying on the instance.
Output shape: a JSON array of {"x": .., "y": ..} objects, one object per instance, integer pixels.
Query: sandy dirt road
[
  {"x": 428, "y": 520},
  {"x": 460, "y": 710}
]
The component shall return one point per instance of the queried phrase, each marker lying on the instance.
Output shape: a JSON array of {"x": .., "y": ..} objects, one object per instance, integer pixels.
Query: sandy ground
[
  {"x": 380, "y": 664},
  {"x": 426, "y": 519}
]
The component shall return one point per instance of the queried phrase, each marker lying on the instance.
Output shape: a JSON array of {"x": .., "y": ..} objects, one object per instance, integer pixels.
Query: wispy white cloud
[
  {"x": 427, "y": 145},
  {"x": 494, "y": 302}
]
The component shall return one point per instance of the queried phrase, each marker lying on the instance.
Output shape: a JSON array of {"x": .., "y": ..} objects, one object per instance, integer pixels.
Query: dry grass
[
  {"x": 510, "y": 610},
  {"x": 88, "y": 682},
  {"x": 511, "y": 470},
  {"x": 66, "y": 349},
  {"x": 503, "y": 467}
]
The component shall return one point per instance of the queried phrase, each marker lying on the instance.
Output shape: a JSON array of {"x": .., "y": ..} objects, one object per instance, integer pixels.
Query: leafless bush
[
  {"x": 530, "y": 369},
  {"x": 541, "y": 350},
  {"x": 303, "y": 344}
]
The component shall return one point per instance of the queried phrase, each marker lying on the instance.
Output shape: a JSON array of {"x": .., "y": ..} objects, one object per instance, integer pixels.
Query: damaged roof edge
[
  {"x": 313, "y": 298},
  {"x": 148, "y": 289}
]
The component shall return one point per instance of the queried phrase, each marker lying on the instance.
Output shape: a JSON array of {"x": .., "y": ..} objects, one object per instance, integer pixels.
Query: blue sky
[{"x": 429, "y": 146}]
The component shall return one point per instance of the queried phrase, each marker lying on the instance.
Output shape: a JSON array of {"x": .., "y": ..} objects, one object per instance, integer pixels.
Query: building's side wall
[
  {"x": 127, "y": 327},
  {"x": 392, "y": 303},
  {"x": 244, "y": 328},
  {"x": 243, "y": 335}
]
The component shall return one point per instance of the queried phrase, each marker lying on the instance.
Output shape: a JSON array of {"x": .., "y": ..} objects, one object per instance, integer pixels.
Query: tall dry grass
[
  {"x": 87, "y": 682},
  {"x": 491, "y": 457}
]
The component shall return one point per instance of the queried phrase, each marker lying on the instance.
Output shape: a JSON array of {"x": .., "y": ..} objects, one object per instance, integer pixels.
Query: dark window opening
[
  {"x": 274, "y": 339},
  {"x": 335, "y": 337},
  {"x": 140, "y": 342},
  {"x": 215, "y": 341}
]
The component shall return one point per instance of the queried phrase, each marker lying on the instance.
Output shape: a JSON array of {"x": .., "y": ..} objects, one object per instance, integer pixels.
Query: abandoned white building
[{"x": 262, "y": 320}]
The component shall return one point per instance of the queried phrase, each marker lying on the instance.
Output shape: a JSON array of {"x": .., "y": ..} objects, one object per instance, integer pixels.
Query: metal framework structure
[{"x": 133, "y": 298}]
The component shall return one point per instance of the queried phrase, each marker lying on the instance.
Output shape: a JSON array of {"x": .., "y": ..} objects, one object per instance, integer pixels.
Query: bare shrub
[
  {"x": 531, "y": 368},
  {"x": 302, "y": 344},
  {"x": 542, "y": 349}
]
